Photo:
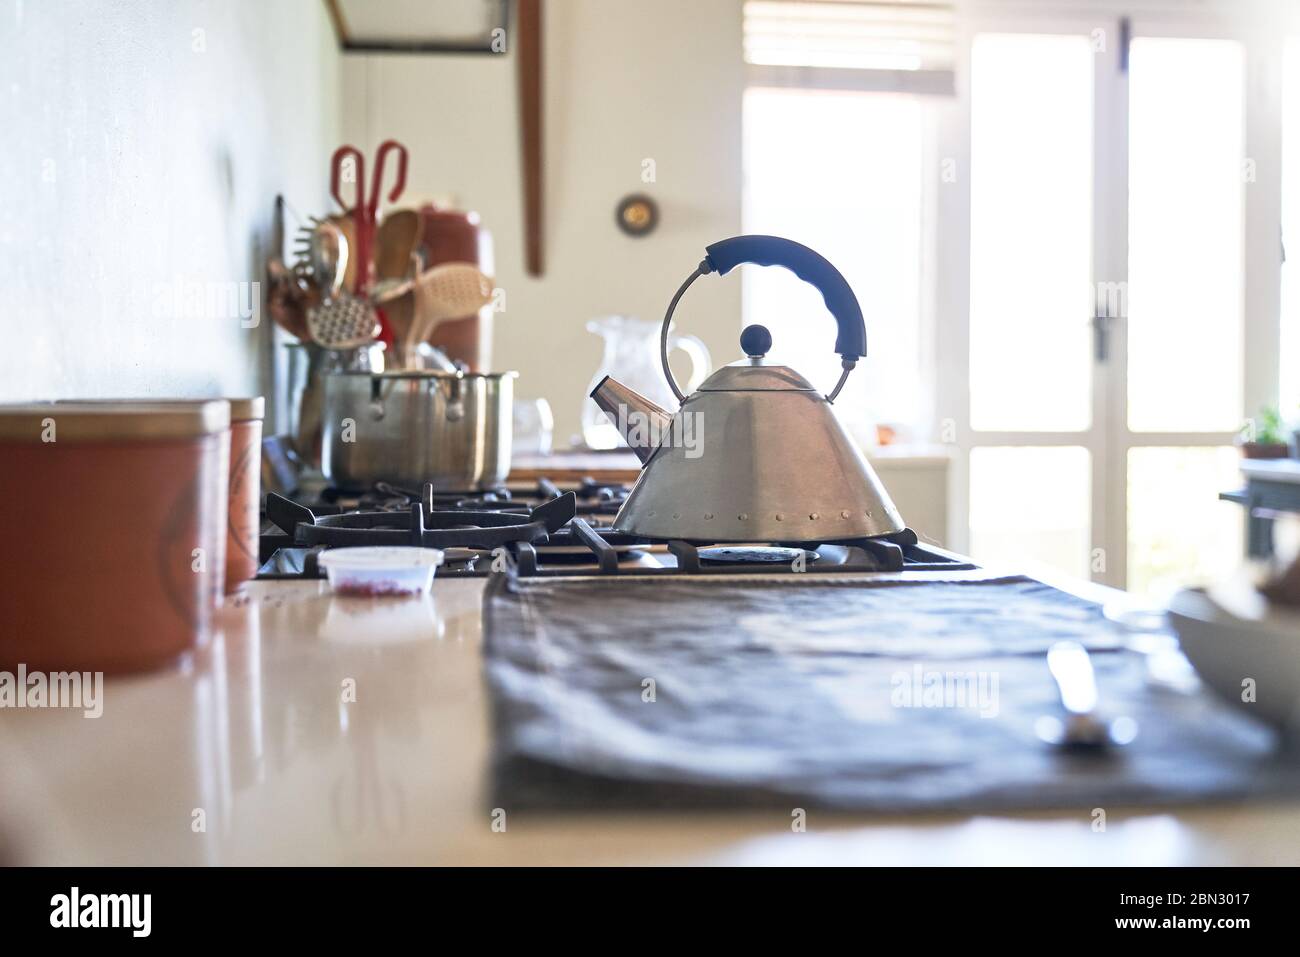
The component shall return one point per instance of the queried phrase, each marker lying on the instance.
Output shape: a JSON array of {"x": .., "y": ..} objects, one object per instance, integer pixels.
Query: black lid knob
[{"x": 755, "y": 340}]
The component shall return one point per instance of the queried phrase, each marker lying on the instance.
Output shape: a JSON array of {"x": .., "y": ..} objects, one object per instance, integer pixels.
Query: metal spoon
[{"x": 1076, "y": 682}]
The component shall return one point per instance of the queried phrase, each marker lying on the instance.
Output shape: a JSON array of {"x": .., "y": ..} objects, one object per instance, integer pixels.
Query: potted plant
[{"x": 1263, "y": 438}]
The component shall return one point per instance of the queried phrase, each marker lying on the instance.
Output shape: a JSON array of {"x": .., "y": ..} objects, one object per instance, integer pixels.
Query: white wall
[
  {"x": 625, "y": 80},
  {"x": 144, "y": 143}
]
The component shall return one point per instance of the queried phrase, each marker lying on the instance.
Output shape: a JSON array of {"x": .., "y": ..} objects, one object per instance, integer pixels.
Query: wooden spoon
[
  {"x": 399, "y": 313},
  {"x": 396, "y": 242},
  {"x": 447, "y": 291}
]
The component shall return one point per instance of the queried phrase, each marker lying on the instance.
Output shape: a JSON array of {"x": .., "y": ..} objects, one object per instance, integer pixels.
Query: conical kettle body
[{"x": 758, "y": 467}]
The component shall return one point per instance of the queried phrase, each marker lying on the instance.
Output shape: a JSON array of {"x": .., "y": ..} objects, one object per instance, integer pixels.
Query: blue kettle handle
[{"x": 810, "y": 266}]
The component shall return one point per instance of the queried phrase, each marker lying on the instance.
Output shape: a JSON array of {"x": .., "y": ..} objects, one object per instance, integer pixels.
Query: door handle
[{"x": 1101, "y": 329}]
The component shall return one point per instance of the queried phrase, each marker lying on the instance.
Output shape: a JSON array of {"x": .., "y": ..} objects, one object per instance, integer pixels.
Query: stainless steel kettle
[{"x": 756, "y": 454}]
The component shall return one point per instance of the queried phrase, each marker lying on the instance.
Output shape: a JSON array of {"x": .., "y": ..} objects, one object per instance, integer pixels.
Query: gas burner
[
  {"x": 754, "y": 555},
  {"x": 438, "y": 528},
  {"x": 486, "y": 499},
  {"x": 386, "y": 497}
]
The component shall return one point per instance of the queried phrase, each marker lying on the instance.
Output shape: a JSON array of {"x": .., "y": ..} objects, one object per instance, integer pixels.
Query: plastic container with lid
[
  {"x": 117, "y": 513},
  {"x": 375, "y": 571}
]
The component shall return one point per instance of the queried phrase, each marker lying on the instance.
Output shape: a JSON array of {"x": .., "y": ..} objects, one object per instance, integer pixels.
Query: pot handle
[
  {"x": 809, "y": 265},
  {"x": 455, "y": 410}
]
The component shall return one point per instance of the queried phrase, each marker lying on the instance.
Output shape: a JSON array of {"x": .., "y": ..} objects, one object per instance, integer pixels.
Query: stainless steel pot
[{"x": 412, "y": 427}]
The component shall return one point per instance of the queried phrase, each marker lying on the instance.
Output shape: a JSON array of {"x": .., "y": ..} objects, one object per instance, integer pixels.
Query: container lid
[
  {"x": 247, "y": 410},
  {"x": 109, "y": 421},
  {"x": 241, "y": 409},
  {"x": 378, "y": 559}
]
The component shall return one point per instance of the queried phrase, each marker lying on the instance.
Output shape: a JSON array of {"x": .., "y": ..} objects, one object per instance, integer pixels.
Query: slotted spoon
[
  {"x": 344, "y": 322},
  {"x": 448, "y": 291}
]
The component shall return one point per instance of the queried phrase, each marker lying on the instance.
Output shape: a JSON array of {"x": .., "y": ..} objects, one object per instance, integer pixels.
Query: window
[
  {"x": 1031, "y": 232},
  {"x": 841, "y": 172},
  {"x": 1186, "y": 188},
  {"x": 1108, "y": 278},
  {"x": 836, "y": 138},
  {"x": 1186, "y": 194}
]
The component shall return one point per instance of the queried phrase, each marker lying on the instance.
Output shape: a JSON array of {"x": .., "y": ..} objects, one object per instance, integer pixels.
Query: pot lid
[
  {"x": 756, "y": 373},
  {"x": 112, "y": 421}
]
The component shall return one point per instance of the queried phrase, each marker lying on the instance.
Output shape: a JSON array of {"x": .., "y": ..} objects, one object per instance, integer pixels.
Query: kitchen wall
[
  {"x": 144, "y": 144},
  {"x": 625, "y": 81}
]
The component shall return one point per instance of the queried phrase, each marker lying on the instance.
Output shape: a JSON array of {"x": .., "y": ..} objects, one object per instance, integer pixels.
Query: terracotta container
[
  {"x": 245, "y": 490},
  {"x": 244, "y": 495},
  {"x": 119, "y": 514},
  {"x": 448, "y": 235}
]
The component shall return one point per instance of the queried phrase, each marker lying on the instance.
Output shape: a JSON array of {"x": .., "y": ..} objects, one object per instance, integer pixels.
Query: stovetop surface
[{"x": 546, "y": 530}]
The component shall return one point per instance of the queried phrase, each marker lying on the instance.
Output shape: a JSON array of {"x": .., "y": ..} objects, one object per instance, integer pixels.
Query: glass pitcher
[{"x": 632, "y": 357}]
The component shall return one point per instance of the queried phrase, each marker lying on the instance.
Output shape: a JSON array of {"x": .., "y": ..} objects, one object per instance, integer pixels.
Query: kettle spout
[{"x": 641, "y": 423}]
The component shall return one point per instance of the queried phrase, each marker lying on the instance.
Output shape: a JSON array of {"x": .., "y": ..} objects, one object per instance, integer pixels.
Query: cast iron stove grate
[
  {"x": 566, "y": 534},
  {"x": 901, "y": 551},
  {"x": 419, "y": 526}
]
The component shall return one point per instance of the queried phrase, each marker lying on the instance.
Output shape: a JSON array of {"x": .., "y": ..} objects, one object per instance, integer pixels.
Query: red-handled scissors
[{"x": 365, "y": 208}]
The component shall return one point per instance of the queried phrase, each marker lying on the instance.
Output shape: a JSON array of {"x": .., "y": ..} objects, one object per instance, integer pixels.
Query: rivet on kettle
[
  {"x": 844, "y": 514},
  {"x": 676, "y": 516},
  {"x": 814, "y": 516},
  {"x": 743, "y": 517},
  {"x": 708, "y": 516},
  {"x": 780, "y": 517}
]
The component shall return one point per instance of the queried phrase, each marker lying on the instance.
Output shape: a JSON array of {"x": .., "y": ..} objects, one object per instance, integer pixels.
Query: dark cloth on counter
[{"x": 825, "y": 691}]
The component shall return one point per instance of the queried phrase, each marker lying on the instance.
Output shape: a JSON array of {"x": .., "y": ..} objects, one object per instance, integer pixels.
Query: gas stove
[{"x": 549, "y": 530}]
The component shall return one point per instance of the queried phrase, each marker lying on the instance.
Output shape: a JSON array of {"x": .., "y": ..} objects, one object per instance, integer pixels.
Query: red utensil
[
  {"x": 386, "y": 335},
  {"x": 365, "y": 212},
  {"x": 377, "y": 182}
]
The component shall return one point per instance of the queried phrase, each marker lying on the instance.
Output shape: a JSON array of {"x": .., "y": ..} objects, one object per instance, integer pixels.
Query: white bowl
[
  {"x": 1233, "y": 637},
  {"x": 376, "y": 571}
]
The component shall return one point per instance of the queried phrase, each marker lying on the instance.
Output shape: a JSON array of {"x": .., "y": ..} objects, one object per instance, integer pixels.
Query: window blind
[{"x": 904, "y": 45}]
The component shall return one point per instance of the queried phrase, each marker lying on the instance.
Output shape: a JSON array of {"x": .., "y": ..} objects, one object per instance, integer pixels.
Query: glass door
[
  {"x": 1179, "y": 344},
  {"x": 1035, "y": 439},
  {"x": 1119, "y": 275}
]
